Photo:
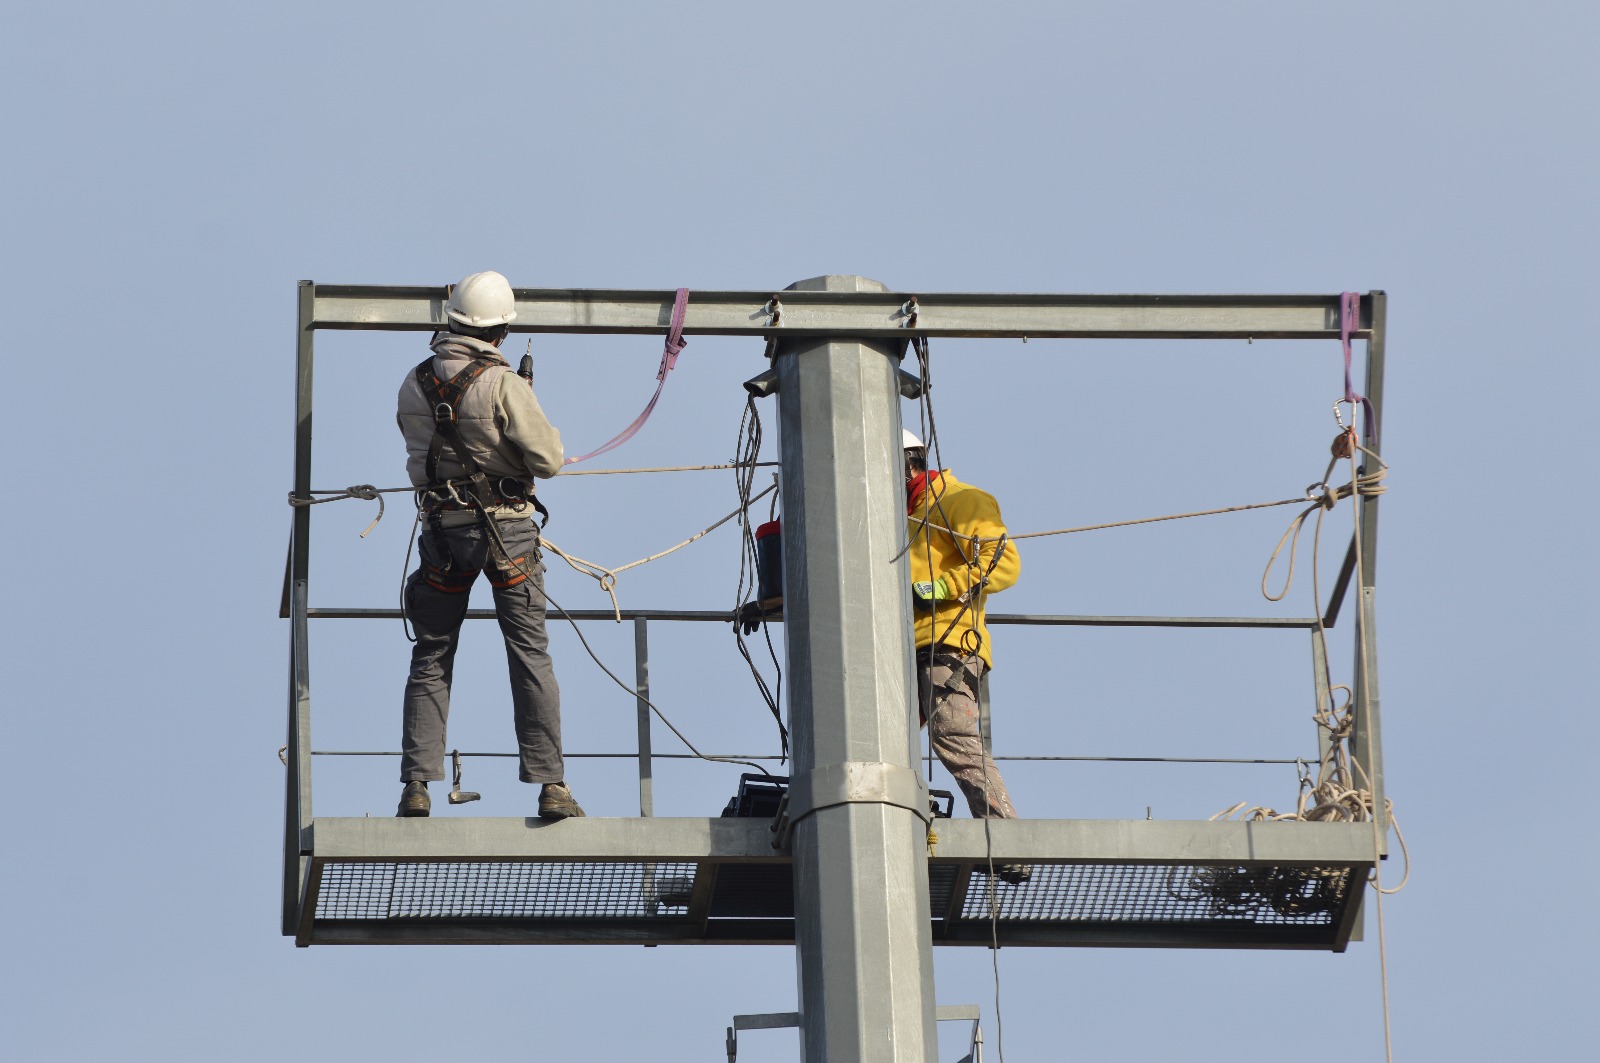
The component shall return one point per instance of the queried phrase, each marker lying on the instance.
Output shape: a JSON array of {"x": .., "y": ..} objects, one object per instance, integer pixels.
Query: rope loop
[{"x": 366, "y": 492}]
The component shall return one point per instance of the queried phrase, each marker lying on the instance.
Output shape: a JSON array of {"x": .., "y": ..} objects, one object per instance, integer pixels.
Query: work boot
[
  {"x": 555, "y": 802},
  {"x": 414, "y": 800}
]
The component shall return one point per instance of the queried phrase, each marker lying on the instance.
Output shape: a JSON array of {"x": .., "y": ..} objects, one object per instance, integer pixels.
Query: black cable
[
  {"x": 748, "y": 450},
  {"x": 520, "y": 565},
  {"x": 405, "y": 573},
  {"x": 648, "y": 703}
]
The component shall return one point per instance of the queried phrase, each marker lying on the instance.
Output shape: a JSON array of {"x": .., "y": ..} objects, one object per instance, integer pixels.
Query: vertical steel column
[
  {"x": 1319, "y": 680},
  {"x": 297, "y": 755},
  {"x": 1366, "y": 732},
  {"x": 862, "y": 935},
  {"x": 641, "y": 687}
]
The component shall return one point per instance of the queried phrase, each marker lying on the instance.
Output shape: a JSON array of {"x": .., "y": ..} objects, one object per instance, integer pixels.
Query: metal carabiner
[{"x": 1339, "y": 417}]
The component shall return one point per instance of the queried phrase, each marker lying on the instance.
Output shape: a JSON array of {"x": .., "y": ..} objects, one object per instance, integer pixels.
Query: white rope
[
  {"x": 1338, "y": 794},
  {"x": 569, "y": 471},
  {"x": 607, "y": 577}
]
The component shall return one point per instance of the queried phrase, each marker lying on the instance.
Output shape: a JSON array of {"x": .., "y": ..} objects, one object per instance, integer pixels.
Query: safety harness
[{"x": 439, "y": 496}]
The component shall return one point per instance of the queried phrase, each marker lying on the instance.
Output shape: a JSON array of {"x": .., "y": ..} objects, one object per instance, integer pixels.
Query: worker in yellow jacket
[{"x": 959, "y": 556}]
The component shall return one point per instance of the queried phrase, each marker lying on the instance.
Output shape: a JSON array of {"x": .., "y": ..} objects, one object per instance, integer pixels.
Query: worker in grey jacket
[{"x": 476, "y": 439}]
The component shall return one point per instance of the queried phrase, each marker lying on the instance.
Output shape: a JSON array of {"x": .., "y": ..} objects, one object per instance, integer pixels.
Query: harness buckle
[{"x": 444, "y": 412}]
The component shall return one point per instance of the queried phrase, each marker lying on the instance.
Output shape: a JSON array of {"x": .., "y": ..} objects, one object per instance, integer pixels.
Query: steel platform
[{"x": 652, "y": 881}]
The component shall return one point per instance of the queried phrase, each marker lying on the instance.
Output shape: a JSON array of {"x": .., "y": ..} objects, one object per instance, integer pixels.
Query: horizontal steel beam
[
  {"x": 724, "y": 617},
  {"x": 1153, "y": 841},
  {"x": 659, "y": 838},
  {"x": 860, "y": 314},
  {"x": 553, "y": 932},
  {"x": 1214, "y": 934},
  {"x": 666, "y": 839}
]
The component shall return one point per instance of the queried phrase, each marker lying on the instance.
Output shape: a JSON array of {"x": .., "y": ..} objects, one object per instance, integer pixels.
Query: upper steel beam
[{"x": 859, "y": 314}]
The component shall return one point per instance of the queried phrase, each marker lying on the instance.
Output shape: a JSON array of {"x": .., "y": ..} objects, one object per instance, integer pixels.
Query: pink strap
[
  {"x": 669, "y": 358},
  {"x": 1349, "y": 324}
]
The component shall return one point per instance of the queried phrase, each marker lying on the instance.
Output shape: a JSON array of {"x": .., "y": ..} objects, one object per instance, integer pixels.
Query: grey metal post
[
  {"x": 641, "y": 687},
  {"x": 297, "y": 754},
  {"x": 1366, "y": 730},
  {"x": 857, "y": 803}
]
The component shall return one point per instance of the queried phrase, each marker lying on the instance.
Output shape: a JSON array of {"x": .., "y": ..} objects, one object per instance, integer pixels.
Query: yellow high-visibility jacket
[{"x": 964, "y": 565}]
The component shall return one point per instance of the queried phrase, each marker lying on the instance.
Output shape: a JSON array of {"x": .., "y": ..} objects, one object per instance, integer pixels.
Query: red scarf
[{"x": 916, "y": 487}]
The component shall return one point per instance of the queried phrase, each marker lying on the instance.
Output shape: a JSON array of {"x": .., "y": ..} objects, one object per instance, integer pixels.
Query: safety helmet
[
  {"x": 481, "y": 300},
  {"x": 909, "y": 441}
]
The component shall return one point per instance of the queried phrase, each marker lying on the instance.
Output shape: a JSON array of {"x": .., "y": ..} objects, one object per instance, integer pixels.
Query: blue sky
[{"x": 176, "y": 168}]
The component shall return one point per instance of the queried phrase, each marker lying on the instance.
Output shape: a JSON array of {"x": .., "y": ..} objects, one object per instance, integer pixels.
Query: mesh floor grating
[
  {"x": 1147, "y": 893},
  {"x": 504, "y": 890},
  {"x": 1124, "y": 894}
]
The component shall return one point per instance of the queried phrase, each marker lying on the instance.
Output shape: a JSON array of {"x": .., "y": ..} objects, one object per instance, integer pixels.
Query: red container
[{"x": 769, "y": 562}]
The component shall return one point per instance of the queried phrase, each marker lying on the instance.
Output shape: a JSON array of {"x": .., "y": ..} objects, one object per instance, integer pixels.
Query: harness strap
[
  {"x": 443, "y": 398},
  {"x": 956, "y": 662}
]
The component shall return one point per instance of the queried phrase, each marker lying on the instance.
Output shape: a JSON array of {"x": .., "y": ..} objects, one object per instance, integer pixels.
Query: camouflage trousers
[{"x": 947, "y": 696}]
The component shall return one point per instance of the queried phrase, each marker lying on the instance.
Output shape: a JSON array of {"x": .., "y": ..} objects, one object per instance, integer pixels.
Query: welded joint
[{"x": 857, "y": 782}]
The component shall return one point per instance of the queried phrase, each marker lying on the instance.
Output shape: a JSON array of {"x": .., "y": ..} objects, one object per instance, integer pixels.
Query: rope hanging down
[{"x": 669, "y": 358}]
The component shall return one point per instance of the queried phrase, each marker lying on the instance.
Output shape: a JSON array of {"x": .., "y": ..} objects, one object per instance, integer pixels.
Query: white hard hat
[
  {"x": 481, "y": 300},
  {"x": 909, "y": 441}
]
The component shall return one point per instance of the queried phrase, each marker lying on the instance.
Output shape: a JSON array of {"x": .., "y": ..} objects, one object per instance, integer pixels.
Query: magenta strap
[
  {"x": 669, "y": 358},
  {"x": 1349, "y": 324}
]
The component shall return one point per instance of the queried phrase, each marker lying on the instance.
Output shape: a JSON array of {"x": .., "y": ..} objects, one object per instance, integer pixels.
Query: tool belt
[
  {"x": 447, "y": 496},
  {"x": 474, "y": 491}
]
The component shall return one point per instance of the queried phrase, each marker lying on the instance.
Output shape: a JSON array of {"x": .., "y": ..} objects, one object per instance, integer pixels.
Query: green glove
[{"x": 928, "y": 593}]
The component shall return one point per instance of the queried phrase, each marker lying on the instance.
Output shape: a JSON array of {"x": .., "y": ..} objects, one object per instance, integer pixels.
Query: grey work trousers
[
  {"x": 436, "y": 601},
  {"x": 952, "y": 720}
]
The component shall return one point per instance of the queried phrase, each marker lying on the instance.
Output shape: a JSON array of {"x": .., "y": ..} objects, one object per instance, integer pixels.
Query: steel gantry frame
[{"x": 852, "y": 880}]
